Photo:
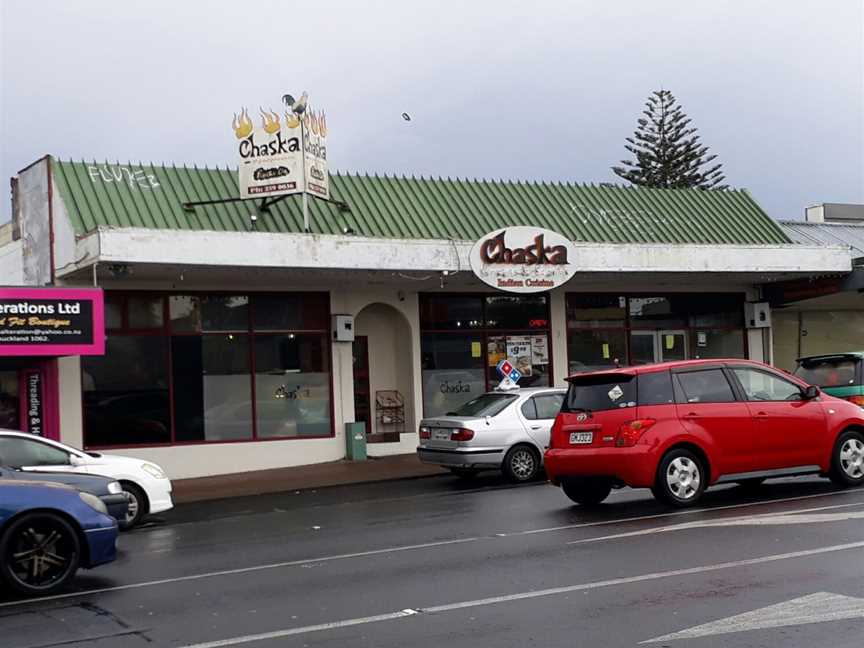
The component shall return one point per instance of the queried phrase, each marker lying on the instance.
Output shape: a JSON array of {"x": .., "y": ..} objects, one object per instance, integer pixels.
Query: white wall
[{"x": 33, "y": 221}]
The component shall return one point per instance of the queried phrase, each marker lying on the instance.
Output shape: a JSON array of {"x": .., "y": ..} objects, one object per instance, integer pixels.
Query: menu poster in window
[
  {"x": 539, "y": 350},
  {"x": 496, "y": 350},
  {"x": 519, "y": 353}
]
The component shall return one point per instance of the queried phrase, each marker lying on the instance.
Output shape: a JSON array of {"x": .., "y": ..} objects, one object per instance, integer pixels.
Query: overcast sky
[{"x": 496, "y": 89}]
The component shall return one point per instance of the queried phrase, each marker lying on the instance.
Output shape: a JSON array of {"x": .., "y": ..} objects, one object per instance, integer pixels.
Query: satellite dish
[{"x": 406, "y": 116}]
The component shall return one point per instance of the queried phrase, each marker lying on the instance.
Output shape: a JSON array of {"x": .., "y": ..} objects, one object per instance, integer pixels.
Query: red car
[{"x": 680, "y": 427}]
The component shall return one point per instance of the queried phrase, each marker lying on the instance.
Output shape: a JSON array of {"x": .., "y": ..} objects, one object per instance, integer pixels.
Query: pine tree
[{"x": 668, "y": 151}]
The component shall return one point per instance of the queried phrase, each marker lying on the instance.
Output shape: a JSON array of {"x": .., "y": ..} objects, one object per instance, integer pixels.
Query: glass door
[
  {"x": 672, "y": 345},
  {"x": 643, "y": 347},
  {"x": 657, "y": 346}
]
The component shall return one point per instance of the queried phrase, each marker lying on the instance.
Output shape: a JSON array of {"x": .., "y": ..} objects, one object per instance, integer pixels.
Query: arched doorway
[{"x": 383, "y": 373}]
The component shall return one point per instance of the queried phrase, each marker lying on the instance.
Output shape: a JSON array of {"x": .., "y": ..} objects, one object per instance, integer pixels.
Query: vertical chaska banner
[{"x": 315, "y": 138}]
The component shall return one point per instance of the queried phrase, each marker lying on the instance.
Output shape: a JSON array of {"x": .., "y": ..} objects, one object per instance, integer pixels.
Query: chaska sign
[
  {"x": 51, "y": 321},
  {"x": 523, "y": 259}
]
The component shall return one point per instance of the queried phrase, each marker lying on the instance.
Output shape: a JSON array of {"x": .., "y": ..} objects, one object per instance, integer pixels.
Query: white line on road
[
  {"x": 814, "y": 608},
  {"x": 427, "y": 545},
  {"x": 787, "y": 517},
  {"x": 449, "y": 607}
]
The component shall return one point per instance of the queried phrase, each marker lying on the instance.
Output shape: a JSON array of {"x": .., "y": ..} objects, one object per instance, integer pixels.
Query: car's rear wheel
[
  {"x": 138, "y": 505},
  {"x": 464, "y": 473},
  {"x": 587, "y": 491},
  {"x": 39, "y": 553},
  {"x": 521, "y": 464},
  {"x": 847, "y": 463},
  {"x": 681, "y": 478}
]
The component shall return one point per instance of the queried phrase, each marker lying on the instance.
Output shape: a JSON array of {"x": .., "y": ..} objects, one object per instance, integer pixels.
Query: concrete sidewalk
[{"x": 335, "y": 473}]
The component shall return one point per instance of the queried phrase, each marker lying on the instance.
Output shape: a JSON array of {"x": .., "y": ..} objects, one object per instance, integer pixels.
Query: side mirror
[
  {"x": 811, "y": 392},
  {"x": 75, "y": 460}
]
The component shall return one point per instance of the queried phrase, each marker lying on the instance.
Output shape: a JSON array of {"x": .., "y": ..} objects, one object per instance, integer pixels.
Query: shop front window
[
  {"x": 221, "y": 368},
  {"x": 466, "y": 336},
  {"x": 292, "y": 386},
  {"x": 610, "y": 330},
  {"x": 126, "y": 398}
]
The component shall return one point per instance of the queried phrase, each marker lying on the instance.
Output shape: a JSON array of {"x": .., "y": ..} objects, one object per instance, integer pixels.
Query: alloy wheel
[
  {"x": 132, "y": 511},
  {"x": 683, "y": 478},
  {"x": 852, "y": 458},
  {"x": 41, "y": 554},
  {"x": 523, "y": 464}
]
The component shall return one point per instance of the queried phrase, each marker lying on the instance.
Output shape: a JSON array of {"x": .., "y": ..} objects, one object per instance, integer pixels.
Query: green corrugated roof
[{"x": 122, "y": 195}]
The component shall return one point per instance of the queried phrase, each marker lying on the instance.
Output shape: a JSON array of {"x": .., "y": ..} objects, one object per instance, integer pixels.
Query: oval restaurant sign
[{"x": 523, "y": 259}]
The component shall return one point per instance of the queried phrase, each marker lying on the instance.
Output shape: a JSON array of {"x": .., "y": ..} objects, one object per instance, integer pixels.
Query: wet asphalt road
[{"x": 436, "y": 561}]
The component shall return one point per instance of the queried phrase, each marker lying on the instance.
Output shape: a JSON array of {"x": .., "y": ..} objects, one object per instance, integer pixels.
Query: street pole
[{"x": 305, "y": 196}]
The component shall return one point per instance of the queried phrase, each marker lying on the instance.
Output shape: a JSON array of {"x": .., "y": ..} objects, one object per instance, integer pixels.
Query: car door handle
[
  {"x": 761, "y": 416},
  {"x": 536, "y": 427},
  {"x": 691, "y": 415}
]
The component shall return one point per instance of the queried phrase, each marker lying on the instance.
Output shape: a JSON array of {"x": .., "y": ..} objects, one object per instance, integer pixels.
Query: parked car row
[
  {"x": 675, "y": 428},
  {"x": 61, "y": 508}
]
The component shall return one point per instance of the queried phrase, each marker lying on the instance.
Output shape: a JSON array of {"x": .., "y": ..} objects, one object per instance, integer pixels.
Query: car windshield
[
  {"x": 484, "y": 405},
  {"x": 828, "y": 372},
  {"x": 598, "y": 393}
]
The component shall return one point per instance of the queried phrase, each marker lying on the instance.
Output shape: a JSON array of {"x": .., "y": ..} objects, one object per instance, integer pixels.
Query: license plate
[
  {"x": 441, "y": 435},
  {"x": 581, "y": 437}
]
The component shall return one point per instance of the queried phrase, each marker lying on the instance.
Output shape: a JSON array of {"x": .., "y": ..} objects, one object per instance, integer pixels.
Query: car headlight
[
  {"x": 94, "y": 502},
  {"x": 115, "y": 488},
  {"x": 153, "y": 470}
]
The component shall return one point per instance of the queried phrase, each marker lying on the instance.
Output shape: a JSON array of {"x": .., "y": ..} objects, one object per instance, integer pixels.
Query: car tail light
[
  {"x": 630, "y": 432},
  {"x": 556, "y": 429},
  {"x": 462, "y": 434},
  {"x": 425, "y": 432},
  {"x": 858, "y": 400}
]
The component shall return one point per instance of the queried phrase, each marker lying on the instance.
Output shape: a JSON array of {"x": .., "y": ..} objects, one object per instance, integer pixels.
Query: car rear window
[
  {"x": 484, "y": 405},
  {"x": 828, "y": 372},
  {"x": 706, "y": 386},
  {"x": 598, "y": 393}
]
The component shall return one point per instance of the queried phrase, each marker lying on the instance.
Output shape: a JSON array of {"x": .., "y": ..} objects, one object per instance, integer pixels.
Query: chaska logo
[{"x": 495, "y": 250}]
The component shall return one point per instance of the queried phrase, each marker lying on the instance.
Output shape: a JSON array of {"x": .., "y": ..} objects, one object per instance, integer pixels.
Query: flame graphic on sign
[
  {"x": 292, "y": 120},
  {"x": 314, "y": 123},
  {"x": 269, "y": 120},
  {"x": 322, "y": 125},
  {"x": 243, "y": 125}
]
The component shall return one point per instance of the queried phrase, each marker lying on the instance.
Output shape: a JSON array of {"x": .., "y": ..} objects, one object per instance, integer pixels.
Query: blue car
[{"x": 48, "y": 531}]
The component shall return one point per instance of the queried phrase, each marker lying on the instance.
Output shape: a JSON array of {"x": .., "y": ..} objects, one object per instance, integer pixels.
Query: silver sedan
[{"x": 506, "y": 430}]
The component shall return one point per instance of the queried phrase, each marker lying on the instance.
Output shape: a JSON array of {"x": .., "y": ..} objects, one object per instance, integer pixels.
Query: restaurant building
[{"x": 236, "y": 341}]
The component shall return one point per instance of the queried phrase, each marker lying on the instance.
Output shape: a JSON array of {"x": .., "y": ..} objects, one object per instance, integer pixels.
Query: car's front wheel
[
  {"x": 138, "y": 505},
  {"x": 521, "y": 464},
  {"x": 39, "y": 553},
  {"x": 587, "y": 491},
  {"x": 681, "y": 478},
  {"x": 847, "y": 463}
]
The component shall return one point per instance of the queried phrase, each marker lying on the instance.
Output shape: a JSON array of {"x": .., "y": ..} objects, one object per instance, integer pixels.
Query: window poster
[
  {"x": 497, "y": 350},
  {"x": 539, "y": 350},
  {"x": 519, "y": 353}
]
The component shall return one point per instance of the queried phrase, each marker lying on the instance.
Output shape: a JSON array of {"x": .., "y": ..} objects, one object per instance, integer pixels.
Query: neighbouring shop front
[{"x": 37, "y": 326}]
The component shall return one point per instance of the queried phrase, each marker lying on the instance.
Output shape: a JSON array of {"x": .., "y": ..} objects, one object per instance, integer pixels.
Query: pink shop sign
[{"x": 52, "y": 321}]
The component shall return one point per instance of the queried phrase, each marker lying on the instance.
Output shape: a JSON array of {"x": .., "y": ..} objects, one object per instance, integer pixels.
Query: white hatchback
[
  {"x": 500, "y": 429},
  {"x": 145, "y": 483}
]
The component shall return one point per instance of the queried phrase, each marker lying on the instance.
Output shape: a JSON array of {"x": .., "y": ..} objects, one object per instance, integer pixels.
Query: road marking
[
  {"x": 815, "y": 608},
  {"x": 427, "y": 545},
  {"x": 788, "y": 517},
  {"x": 532, "y": 594},
  {"x": 693, "y": 511}
]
